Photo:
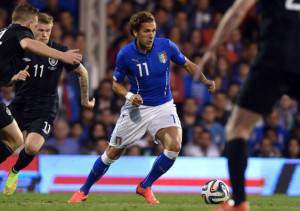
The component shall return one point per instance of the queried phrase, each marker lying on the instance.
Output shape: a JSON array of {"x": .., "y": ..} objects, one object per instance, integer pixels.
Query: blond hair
[
  {"x": 44, "y": 18},
  {"x": 24, "y": 12}
]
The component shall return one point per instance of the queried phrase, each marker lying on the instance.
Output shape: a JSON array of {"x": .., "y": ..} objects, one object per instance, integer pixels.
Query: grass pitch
[{"x": 128, "y": 202}]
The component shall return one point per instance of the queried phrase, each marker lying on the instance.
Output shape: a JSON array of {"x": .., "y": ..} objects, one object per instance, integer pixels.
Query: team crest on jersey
[
  {"x": 52, "y": 61},
  {"x": 163, "y": 57}
]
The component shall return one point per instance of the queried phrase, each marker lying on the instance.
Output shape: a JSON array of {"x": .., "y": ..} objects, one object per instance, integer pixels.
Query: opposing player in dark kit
[
  {"x": 14, "y": 40},
  {"x": 276, "y": 71},
  {"x": 36, "y": 99}
]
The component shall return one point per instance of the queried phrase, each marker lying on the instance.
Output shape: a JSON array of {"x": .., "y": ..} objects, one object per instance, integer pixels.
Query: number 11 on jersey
[
  {"x": 141, "y": 69},
  {"x": 36, "y": 69}
]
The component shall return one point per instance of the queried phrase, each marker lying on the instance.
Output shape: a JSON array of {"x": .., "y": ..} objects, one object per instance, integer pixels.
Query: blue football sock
[
  {"x": 161, "y": 165},
  {"x": 98, "y": 170}
]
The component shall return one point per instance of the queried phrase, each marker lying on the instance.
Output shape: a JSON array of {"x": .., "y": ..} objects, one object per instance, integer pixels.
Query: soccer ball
[{"x": 215, "y": 192}]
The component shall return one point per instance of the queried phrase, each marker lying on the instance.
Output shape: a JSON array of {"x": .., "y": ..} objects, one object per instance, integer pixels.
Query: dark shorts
[
  {"x": 5, "y": 116},
  {"x": 264, "y": 86},
  {"x": 41, "y": 124}
]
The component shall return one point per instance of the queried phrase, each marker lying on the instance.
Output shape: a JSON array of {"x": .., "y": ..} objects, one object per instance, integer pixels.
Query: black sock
[
  {"x": 237, "y": 154},
  {"x": 23, "y": 160},
  {"x": 5, "y": 151}
]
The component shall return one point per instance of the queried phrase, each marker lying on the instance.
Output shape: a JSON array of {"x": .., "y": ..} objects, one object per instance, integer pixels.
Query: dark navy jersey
[
  {"x": 279, "y": 45},
  {"x": 11, "y": 50},
  {"x": 149, "y": 73},
  {"x": 39, "y": 91}
]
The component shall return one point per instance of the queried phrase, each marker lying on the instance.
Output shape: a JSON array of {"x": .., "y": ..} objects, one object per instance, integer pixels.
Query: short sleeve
[
  {"x": 176, "y": 55},
  {"x": 120, "y": 67},
  {"x": 22, "y": 33}
]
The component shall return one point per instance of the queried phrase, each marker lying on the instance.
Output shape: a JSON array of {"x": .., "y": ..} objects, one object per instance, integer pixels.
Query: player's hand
[
  {"x": 209, "y": 56},
  {"x": 21, "y": 75},
  {"x": 89, "y": 104},
  {"x": 72, "y": 57},
  {"x": 136, "y": 100},
  {"x": 211, "y": 85}
]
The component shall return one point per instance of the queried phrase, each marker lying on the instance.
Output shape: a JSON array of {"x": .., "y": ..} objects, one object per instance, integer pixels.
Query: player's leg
[
  {"x": 258, "y": 95},
  {"x": 38, "y": 130},
  {"x": 238, "y": 130},
  {"x": 11, "y": 136},
  {"x": 33, "y": 144},
  {"x": 100, "y": 167},
  {"x": 125, "y": 132},
  {"x": 170, "y": 138},
  {"x": 164, "y": 126},
  {"x": 11, "y": 139}
]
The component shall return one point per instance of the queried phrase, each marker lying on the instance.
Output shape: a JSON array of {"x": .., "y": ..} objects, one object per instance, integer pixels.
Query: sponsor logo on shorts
[{"x": 8, "y": 111}]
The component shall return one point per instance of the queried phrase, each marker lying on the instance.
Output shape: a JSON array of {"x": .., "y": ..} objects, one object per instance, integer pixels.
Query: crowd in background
[{"x": 190, "y": 24}]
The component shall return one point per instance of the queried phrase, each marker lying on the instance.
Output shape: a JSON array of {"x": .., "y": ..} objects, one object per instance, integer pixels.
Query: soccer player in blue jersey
[{"x": 149, "y": 105}]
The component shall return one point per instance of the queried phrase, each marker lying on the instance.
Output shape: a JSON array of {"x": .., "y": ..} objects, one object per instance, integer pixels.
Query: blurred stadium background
[{"x": 99, "y": 29}]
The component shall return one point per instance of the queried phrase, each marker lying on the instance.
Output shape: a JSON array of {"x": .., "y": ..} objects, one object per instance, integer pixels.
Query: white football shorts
[{"x": 135, "y": 121}]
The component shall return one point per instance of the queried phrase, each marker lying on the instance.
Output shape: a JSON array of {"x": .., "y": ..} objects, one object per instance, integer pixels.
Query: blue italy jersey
[{"x": 149, "y": 74}]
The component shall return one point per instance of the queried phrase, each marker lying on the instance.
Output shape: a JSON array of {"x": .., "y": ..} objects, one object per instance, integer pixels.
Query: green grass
[{"x": 128, "y": 202}]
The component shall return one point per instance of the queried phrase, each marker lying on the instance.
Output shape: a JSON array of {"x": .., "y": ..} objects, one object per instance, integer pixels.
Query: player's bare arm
[
  {"x": 192, "y": 68},
  {"x": 70, "y": 57},
  {"x": 231, "y": 20},
  {"x": 135, "y": 99},
  {"x": 82, "y": 73}
]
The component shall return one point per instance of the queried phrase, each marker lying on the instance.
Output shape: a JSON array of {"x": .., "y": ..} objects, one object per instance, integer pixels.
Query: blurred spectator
[
  {"x": 97, "y": 131},
  {"x": 7, "y": 94},
  {"x": 134, "y": 150},
  {"x": 52, "y": 8},
  {"x": 201, "y": 14},
  {"x": 243, "y": 71},
  {"x": 100, "y": 146},
  {"x": 293, "y": 149},
  {"x": 272, "y": 130},
  {"x": 286, "y": 111},
  {"x": 182, "y": 24},
  {"x": 232, "y": 92},
  {"x": 220, "y": 102},
  {"x": 61, "y": 139},
  {"x": 3, "y": 18},
  {"x": 66, "y": 21},
  {"x": 266, "y": 149},
  {"x": 161, "y": 17},
  {"x": 197, "y": 90},
  {"x": 108, "y": 118},
  {"x": 196, "y": 41},
  {"x": 177, "y": 86},
  {"x": 105, "y": 98},
  {"x": 295, "y": 132},
  {"x": 201, "y": 145},
  {"x": 68, "y": 40},
  {"x": 86, "y": 118},
  {"x": 76, "y": 132},
  {"x": 216, "y": 129},
  {"x": 56, "y": 34},
  {"x": 189, "y": 119}
]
